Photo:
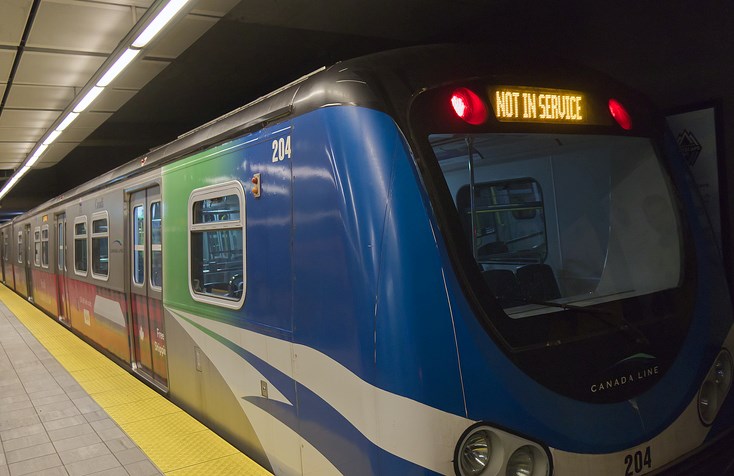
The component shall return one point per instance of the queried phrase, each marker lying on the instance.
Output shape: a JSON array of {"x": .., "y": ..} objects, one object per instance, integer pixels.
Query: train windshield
[{"x": 557, "y": 220}]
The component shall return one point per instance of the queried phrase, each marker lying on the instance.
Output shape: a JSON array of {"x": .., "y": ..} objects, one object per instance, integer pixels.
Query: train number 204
[
  {"x": 638, "y": 462},
  {"x": 281, "y": 148}
]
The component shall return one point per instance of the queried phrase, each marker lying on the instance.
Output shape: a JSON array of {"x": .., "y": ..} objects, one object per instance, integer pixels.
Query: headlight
[
  {"x": 487, "y": 451},
  {"x": 528, "y": 461},
  {"x": 715, "y": 387},
  {"x": 521, "y": 462},
  {"x": 475, "y": 452}
]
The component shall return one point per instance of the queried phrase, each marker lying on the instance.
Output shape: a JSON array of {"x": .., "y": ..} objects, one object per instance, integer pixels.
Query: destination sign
[{"x": 526, "y": 104}]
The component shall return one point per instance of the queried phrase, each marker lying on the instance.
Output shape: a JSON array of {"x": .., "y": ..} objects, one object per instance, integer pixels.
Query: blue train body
[
  {"x": 374, "y": 294},
  {"x": 396, "y": 266}
]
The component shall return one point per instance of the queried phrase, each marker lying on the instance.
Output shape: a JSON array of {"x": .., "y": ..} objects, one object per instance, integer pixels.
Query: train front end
[{"x": 592, "y": 317}]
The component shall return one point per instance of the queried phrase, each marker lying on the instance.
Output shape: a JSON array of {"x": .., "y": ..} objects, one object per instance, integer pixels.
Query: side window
[
  {"x": 44, "y": 246},
  {"x": 20, "y": 247},
  {"x": 80, "y": 245},
  {"x": 37, "y": 246},
  {"x": 100, "y": 245},
  {"x": 217, "y": 245},
  {"x": 139, "y": 245},
  {"x": 156, "y": 250},
  {"x": 508, "y": 220}
]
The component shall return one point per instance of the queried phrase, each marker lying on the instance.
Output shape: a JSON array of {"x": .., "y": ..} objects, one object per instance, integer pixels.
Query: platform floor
[{"x": 66, "y": 409}]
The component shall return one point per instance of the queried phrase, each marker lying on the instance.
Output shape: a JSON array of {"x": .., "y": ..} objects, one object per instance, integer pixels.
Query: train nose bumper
[{"x": 686, "y": 447}]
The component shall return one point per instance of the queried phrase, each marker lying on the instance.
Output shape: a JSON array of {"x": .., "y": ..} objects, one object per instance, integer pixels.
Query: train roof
[{"x": 384, "y": 81}]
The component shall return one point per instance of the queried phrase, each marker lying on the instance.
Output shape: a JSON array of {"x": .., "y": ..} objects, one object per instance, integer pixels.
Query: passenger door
[
  {"x": 3, "y": 251},
  {"x": 28, "y": 261},
  {"x": 61, "y": 275},
  {"x": 148, "y": 335}
]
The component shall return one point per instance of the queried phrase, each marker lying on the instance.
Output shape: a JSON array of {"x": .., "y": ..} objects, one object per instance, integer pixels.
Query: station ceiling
[{"x": 220, "y": 54}]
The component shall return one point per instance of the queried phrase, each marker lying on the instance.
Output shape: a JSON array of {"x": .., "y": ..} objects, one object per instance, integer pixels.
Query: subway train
[{"x": 442, "y": 259}]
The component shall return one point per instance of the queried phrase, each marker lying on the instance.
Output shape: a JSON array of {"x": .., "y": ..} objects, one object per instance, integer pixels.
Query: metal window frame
[
  {"x": 37, "y": 243},
  {"x": 47, "y": 243},
  {"x": 98, "y": 216},
  {"x": 154, "y": 247},
  {"x": 205, "y": 193},
  {"x": 85, "y": 236}
]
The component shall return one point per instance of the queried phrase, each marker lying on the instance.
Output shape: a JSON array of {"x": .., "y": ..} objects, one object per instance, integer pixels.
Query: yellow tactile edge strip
[{"x": 173, "y": 440}]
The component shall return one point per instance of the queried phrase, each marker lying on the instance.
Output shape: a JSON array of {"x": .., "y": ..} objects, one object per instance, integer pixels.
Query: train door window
[
  {"x": 20, "y": 247},
  {"x": 139, "y": 245},
  {"x": 508, "y": 221},
  {"x": 217, "y": 245},
  {"x": 37, "y": 246},
  {"x": 100, "y": 245},
  {"x": 156, "y": 249},
  {"x": 80, "y": 245},
  {"x": 60, "y": 239},
  {"x": 6, "y": 247},
  {"x": 44, "y": 246}
]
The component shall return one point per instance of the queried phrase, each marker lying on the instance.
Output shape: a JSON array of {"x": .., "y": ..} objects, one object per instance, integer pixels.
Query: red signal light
[
  {"x": 620, "y": 114},
  {"x": 468, "y": 106}
]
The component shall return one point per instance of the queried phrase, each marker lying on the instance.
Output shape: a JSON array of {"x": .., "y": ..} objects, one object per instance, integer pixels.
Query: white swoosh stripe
[{"x": 406, "y": 428}]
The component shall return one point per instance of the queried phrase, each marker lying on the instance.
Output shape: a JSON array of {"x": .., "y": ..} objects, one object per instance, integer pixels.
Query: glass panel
[
  {"x": 100, "y": 247},
  {"x": 155, "y": 226},
  {"x": 60, "y": 240},
  {"x": 80, "y": 246},
  {"x": 139, "y": 244},
  {"x": 100, "y": 256},
  {"x": 217, "y": 264},
  {"x": 218, "y": 209},
  {"x": 80, "y": 254},
  {"x": 37, "y": 247},
  {"x": 217, "y": 245},
  {"x": 44, "y": 248},
  {"x": 604, "y": 226},
  {"x": 156, "y": 252},
  {"x": 99, "y": 226},
  {"x": 508, "y": 220}
]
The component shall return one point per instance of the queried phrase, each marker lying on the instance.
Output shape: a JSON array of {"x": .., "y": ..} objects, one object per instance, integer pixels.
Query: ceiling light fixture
[
  {"x": 161, "y": 20},
  {"x": 22, "y": 171},
  {"x": 51, "y": 138},
  {"x": 121, "y": 63},
  {"x": 88, "y": 99},
  {"x": 36, "y": 155},
  {"x": 67, "y": 120}
]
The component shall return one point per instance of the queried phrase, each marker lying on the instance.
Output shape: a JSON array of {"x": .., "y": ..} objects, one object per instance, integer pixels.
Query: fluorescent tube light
[
  {"x": 161, "y": 20},
  {"x": 13, "y": 180},
  {"x": 68, "y": 120},
  {"x": 117, "y": 67},
  {"x": 37, "y": 155},
  {"x": 52, "y": 137},
  {"x": 88, "y": 99},
  {"x": 5, "y": 190}
]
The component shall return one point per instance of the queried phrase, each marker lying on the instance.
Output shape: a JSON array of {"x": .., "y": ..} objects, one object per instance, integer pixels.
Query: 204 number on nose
[{"x": 638, "y": 462}]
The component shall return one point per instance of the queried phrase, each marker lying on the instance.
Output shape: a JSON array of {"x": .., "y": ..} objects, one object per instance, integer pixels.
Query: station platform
[{"x": 66, "y": 409}]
